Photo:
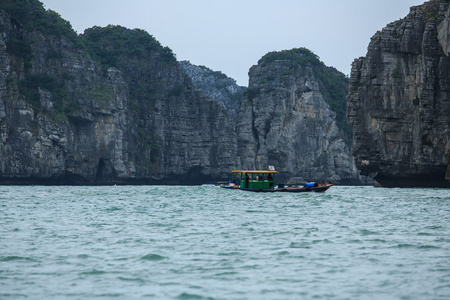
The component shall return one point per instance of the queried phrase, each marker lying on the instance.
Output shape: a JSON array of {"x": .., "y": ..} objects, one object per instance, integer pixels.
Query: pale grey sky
[{"x": 232, "y": 35}]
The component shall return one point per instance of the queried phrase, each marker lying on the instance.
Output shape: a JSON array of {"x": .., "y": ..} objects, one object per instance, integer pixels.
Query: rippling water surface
[{"x": 161, "y": 242}]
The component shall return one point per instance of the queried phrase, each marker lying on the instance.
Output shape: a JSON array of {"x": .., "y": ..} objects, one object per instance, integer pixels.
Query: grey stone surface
[
  {"x": 398, "y": 101},
  {"x": 215, "y": 85},
  {"x": 95, "y": 130},
  {"x": 285, "y": 122},
  {"x": 67, "y": 119}
]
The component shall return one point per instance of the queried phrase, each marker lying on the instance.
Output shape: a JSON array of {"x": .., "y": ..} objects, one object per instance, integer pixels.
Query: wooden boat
[{"x": 264, "y": 181}]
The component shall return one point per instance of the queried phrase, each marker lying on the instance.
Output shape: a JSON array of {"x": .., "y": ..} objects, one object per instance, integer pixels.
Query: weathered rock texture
[
  {"x": 399, "y": 101},
  {"x": 286, "y": 121},
  {"x": 113, "y": 106},
  {"x": 66, "y": 118},
  {"x": 215, "y": 85}
]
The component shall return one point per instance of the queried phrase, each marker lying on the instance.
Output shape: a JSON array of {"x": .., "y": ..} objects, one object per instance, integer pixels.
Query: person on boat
[
  {"x": 270, "y": 179},
  {"x": 246, "y": 180}
]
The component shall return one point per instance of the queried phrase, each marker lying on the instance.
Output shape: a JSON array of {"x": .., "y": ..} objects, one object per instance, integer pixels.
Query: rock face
[
  {"x": 286, "y": 121},
  {"x": 215, "y": 85},
  {"x": 67, "y": 119},
  {"x": 398, "y": 101},
  {"x": 113, "y": 106}
]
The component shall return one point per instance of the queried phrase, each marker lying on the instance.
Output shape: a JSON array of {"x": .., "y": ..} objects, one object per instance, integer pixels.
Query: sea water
[{"x": 203, "y": 242}]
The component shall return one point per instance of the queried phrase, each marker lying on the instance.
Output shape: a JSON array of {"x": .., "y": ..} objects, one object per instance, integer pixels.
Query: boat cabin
[{"x": 256, "y": 179}]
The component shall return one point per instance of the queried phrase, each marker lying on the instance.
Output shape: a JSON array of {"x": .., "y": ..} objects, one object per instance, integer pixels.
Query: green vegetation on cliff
[
  {"x": 134, "y": 52},
  {"x": 138, "y": 55},
  {"x": 216, "y": 74},
  {"x": 29, "y": 17},
  {"x": 32, "y": 15},
  {"x": 108, "y": 44},
  {"x": 297, "y": 56}
]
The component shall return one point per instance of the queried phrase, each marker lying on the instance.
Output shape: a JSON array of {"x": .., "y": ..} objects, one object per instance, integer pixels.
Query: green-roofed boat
[{"x": 264, "y": 181}]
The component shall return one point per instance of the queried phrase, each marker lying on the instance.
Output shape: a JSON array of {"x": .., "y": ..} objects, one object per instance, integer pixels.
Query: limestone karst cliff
[
  {"x": 82, "y": 110},
  {"x": 399, "y": 101},
  {"x": 287, "y": 119},
  {"x": 113, "y": 106},
  {"x": 215, "y": 85}
]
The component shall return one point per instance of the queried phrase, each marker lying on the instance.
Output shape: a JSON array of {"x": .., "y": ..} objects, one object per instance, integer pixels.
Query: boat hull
[{"x": 317, "y": 189}]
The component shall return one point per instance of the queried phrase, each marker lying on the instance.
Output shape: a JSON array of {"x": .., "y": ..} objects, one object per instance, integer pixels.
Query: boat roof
[{"x": 255, "y": 171}]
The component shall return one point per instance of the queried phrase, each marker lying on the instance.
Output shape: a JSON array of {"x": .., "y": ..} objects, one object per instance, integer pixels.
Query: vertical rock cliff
[
  {"x": 112, "y": 106},
  {"x": 178, "y": 133},
  {"x": 215, "y": 85},
  {"x": 399, "y": 101},
  {"x": 287, "y": 118}
]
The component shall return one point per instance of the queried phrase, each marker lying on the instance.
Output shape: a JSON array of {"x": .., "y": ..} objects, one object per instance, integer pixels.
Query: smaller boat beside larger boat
[{"x": 264, "y": 181}]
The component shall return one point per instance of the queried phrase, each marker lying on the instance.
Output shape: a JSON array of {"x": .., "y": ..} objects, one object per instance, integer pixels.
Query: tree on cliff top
[
  {"x": 108, "y": 44},
  {"x": 32, "y": 15}
]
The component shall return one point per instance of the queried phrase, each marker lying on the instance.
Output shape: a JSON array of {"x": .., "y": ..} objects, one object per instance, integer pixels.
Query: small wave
[
  {"x": 434, "y": 227},
  {"x": 355, "y": 241},
  {"x": 442, "y": 290},
  {"x": 232, "y": 253},
  {"x": 122, "y": 259},
  {"x": 250, "y": 267},
  {"x": 336, "y": 270},
  {"x": 378, "y": 241},
  {"x": 422, "y": 247},
  {"x": 12, "y": 258},
  {"x": 153, "y": 257},
  {"x": 131, "y": 279},
  {"x": 312, "y": 229},
  {"x": 441, "y": 269},
  {"x": 326, "y": 241},
  {"x": 231, "y": 273},
  {"x": 110, "y": 295},
  {"x": 404, "y": 246},
  {"x": 442, "y": 240},
  {"x": 367, "y": 232},
  {"x": 428, "y": 247},
  {"x": 425, "y": 234},
  {"x": 114, "y": 208},
  {"x": 254, "y": 211},
  {"x": 193, "y": 296},
  {"x": 301, "y": 245},
  {"x": 93, "y": 272},
  {"x": 13, "y": 296}
]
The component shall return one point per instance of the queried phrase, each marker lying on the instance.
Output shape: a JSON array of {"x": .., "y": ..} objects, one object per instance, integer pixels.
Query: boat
[{"x": 264, "y": 181}]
